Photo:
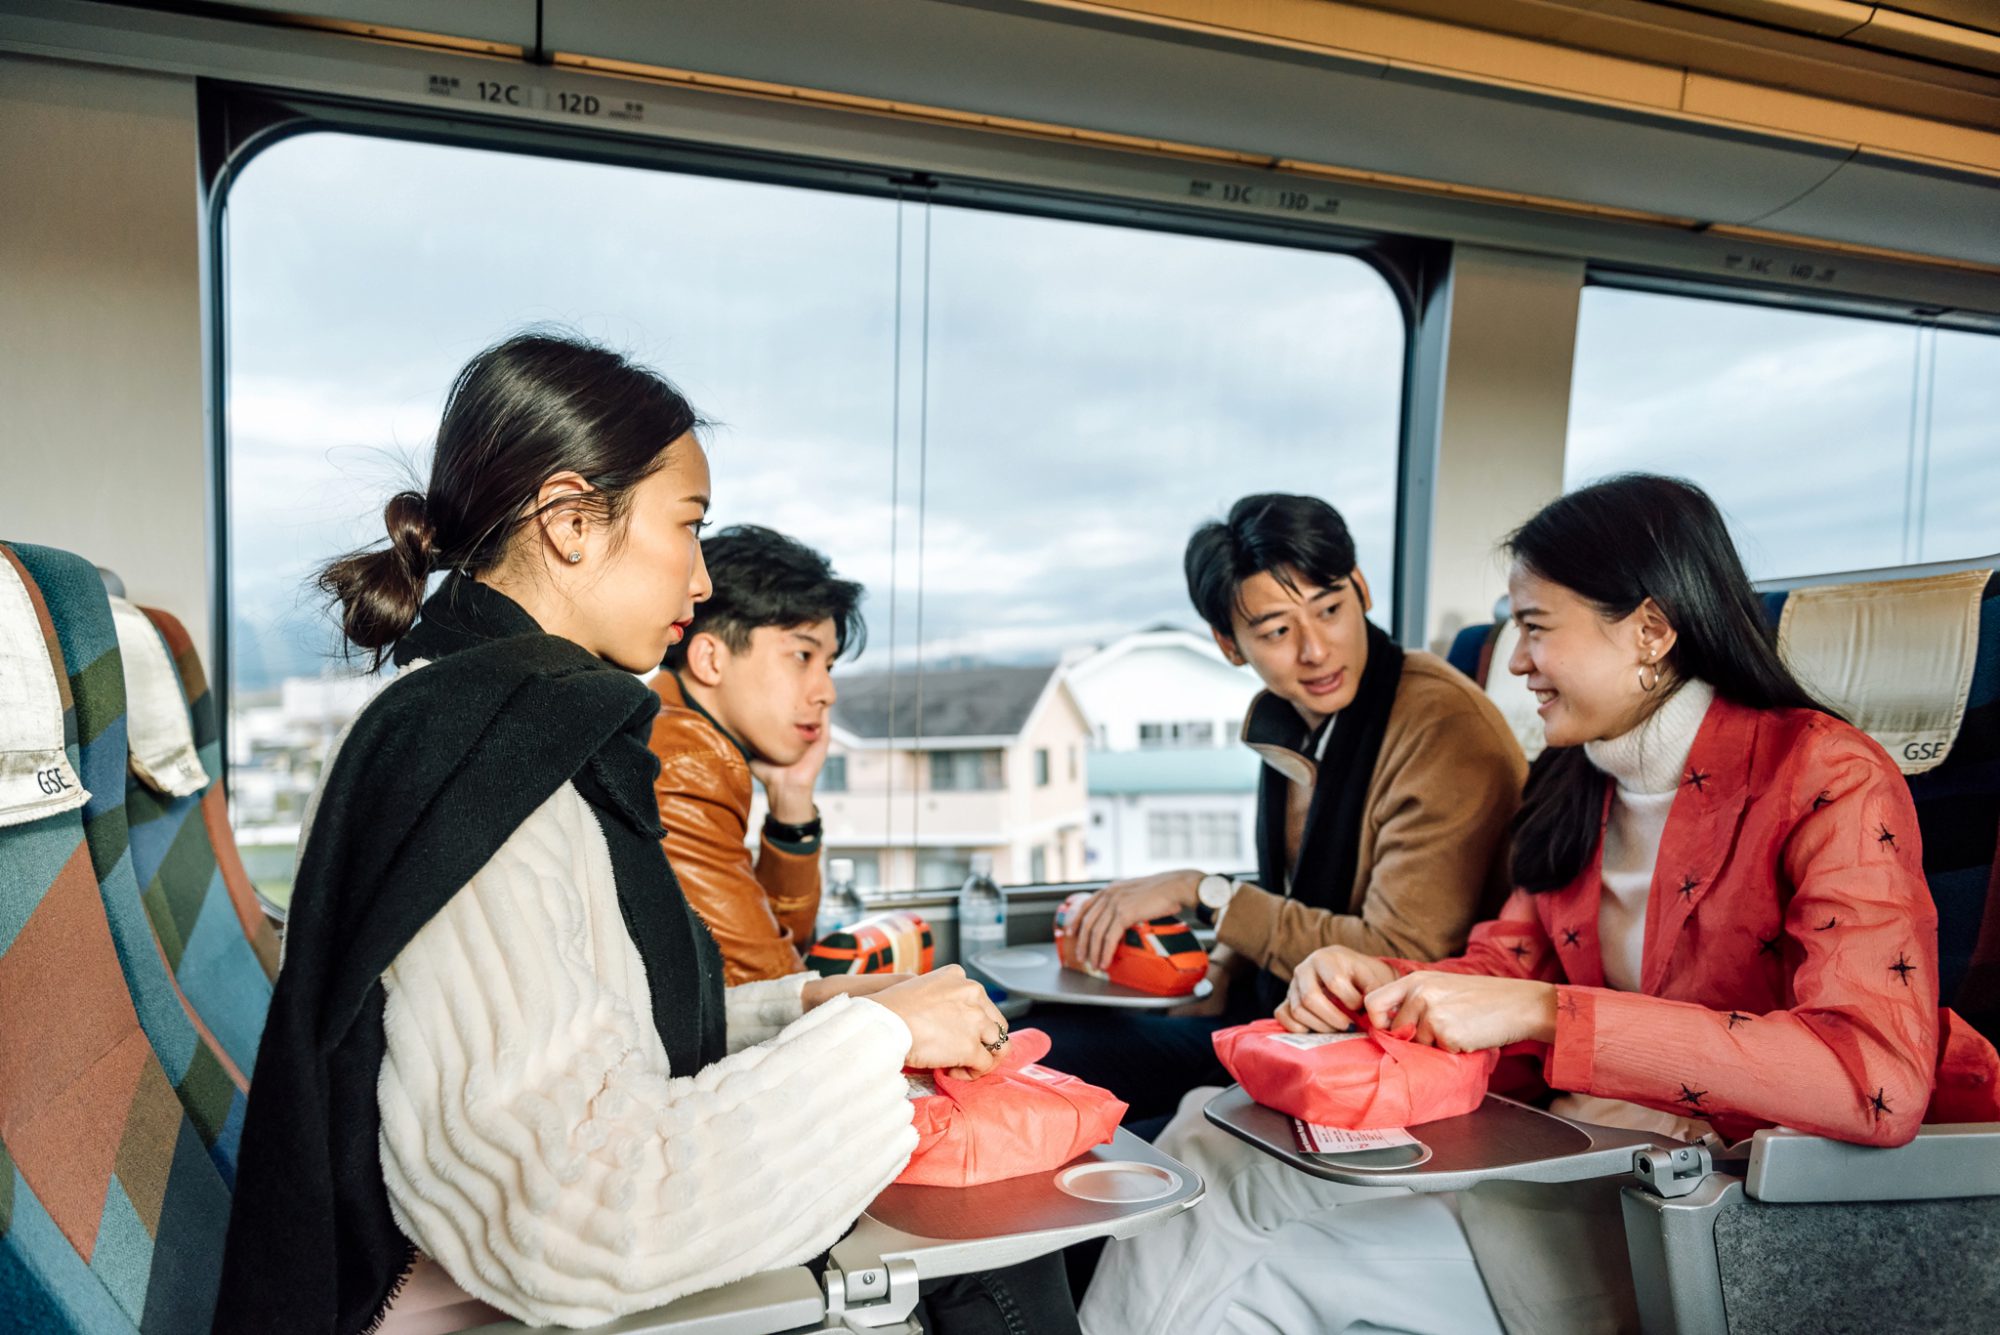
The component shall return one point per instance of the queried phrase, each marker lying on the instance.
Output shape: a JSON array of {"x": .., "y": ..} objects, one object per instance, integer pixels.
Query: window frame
[
  {"x": 239, "y": 122},
  {"x": 1632, "y": 278}
]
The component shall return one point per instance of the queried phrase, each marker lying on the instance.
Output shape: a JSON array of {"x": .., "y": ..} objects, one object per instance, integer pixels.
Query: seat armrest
[
  {"x": 1941, "y": 1163},
  {"x": 1500, "y": 1141},
  {"x": 774, "y": 1301}
]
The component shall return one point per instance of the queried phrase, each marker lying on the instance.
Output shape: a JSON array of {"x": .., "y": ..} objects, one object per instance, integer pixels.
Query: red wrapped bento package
[
  {"x": 1162, "y": 956},
  {"x": 1017, "y": 1119},
  {"x": 1363, "y": 1080}
]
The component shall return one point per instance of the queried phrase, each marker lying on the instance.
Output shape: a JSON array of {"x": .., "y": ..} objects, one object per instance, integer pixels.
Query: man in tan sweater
[{"x": 1388, "y": 784}]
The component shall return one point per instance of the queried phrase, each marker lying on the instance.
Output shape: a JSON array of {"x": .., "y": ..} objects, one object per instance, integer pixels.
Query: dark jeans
[{"x": 1031, "y": 1298}]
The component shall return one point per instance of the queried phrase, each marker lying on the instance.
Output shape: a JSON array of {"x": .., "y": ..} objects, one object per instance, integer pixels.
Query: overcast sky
[
  {"x": 1093, "y": 392},
  {"x": 1800, "y": 425}
]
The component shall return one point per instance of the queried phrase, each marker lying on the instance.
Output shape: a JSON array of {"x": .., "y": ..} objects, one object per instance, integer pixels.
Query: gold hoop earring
[
  {"x": 574, "y": 557},
  {"x": 1648, "y": 683}
]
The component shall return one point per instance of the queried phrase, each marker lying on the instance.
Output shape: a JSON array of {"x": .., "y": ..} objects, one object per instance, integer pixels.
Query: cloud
[
  {"x": 1799, "y": 424},
  {"x": 1060, "y": 403}
]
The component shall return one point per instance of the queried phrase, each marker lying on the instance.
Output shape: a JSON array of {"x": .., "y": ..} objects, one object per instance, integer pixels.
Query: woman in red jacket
[
  {"x": 1721, "y": 921},
  {"x": 1721, "y": 913}
]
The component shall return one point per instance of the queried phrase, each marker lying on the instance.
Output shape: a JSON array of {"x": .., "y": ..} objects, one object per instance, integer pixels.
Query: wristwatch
[
  {"x": 806, "y": 832},
  {"x": 1212, "y": 896}
]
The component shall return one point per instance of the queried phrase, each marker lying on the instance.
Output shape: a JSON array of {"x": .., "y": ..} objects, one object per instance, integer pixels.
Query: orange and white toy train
[
  {"x": 1162, "y": 956},
  {"x": 879, "y": 943}
]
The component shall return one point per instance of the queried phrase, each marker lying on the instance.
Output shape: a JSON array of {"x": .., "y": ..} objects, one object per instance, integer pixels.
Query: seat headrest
[
  {"x": 1895, "y": 657},
  {"x": 159, "y": 730},
  {"x": 36, "y": 777}
]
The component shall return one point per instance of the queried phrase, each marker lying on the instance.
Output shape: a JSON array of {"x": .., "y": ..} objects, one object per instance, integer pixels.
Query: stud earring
[{"x": 574, "y": 557}]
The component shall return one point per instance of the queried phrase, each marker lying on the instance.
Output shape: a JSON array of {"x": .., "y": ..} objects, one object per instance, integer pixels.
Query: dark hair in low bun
[
  {"x": 519, "y": 413},
  {"x": 380, "y": 590}
]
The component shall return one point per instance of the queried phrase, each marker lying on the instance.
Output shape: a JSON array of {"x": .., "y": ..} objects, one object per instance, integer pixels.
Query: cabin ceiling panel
[
  {"x": 1832, "y": 48},
  {"x": 1848, "y": 18},
  {"x": 1982, "y": 14},
  {"x": 1604, "y": 156},
  {"x": 1927, "y": 210},
  {"x": 1356, "y": 113},
  {"x": 502, "y": 23},
  {"x": 955, "y": 63},
  {"x": 1929, "y": 40}
]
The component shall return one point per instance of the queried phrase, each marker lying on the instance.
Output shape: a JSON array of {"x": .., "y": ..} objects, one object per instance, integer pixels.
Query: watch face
[{"x": 1213, "y": 890}]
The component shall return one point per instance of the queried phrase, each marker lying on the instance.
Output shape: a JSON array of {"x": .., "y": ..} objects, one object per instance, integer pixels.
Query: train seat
[
  {"x": 258, "y": 924},
  {"x": 1471, "y": 649},
  {"x": 210, "y": 1085},
  {"x": 183, "y": 853},
  {"x": 1856, "y": 657},
  {"x": 112, "y": 1213}
]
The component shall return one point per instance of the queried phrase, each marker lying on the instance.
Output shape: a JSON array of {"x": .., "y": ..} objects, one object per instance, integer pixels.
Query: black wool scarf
[
  {"x": 435, "y": 775},
  {"x": 1330, "y": 847}
]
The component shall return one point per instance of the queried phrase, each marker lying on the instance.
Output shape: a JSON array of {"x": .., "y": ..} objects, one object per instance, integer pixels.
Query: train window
[
  {"x": 1005, "y": 425},
  {"x": 1831, "y": 442}
]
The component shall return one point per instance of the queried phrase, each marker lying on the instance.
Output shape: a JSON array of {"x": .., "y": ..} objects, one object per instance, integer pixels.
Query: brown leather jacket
[{"x": 761, "y": 914}]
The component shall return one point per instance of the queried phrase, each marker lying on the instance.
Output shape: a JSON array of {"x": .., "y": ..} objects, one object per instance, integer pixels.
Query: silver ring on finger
[{"x": 998, "y": 1043}]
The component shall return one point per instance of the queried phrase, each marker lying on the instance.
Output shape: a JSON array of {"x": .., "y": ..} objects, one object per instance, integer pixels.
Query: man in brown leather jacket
[{"x": 747, "y": 693}]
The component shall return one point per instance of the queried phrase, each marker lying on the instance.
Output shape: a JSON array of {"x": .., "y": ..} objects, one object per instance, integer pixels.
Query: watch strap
[{"x": 805, "y": 832}]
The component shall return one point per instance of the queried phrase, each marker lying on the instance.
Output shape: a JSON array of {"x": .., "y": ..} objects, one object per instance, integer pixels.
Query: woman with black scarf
[{"x": 500, "y": 1067}]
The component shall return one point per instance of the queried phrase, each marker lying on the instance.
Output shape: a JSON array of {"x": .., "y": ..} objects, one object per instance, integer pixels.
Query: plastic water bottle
[
  {"x": 982, "y": 913},
  {"x": 839, "y": 904}
]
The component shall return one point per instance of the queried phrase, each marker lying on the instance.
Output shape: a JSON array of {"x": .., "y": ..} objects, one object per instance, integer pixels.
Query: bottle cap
[{"x": 982, "y": 865}]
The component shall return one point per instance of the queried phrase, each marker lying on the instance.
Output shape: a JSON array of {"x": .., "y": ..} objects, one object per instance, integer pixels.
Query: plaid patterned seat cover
[
  {"x": 112, "y": 1212},
  {"x": 204, "y": 913},
  {"x": 210, "y": 1086}
]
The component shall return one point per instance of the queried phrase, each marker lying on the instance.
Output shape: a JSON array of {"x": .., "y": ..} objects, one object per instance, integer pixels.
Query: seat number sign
[{"x": 525, "y": 95}]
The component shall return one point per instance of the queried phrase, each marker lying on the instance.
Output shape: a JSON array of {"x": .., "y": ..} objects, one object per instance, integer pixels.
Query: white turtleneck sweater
[{"x": 1646, "y": 765}]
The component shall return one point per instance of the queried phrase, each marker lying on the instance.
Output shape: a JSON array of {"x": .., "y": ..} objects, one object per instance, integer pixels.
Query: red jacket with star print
[{"x": 1789, "y": 975}]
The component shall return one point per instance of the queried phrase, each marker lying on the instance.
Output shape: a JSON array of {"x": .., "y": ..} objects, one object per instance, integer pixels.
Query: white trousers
[{"x": 1271, "y": 1249}]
